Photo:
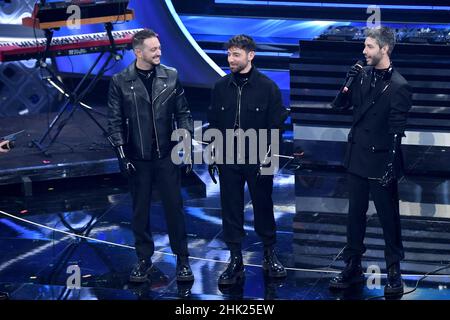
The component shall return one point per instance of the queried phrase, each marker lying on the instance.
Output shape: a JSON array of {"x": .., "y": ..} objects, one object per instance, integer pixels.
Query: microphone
[
  {"x": 358, "y": 65},
  {"x": 341, "y": 99}
]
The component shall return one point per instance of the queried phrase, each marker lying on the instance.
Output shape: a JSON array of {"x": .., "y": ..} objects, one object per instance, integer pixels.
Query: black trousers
[
  {"x": 387, "y": 206},
  {"x": 232, "y": 184},
  {"x": 164, "y": 175}
]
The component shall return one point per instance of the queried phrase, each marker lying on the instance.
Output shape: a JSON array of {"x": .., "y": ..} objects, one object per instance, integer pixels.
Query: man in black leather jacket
[
  {"x": 143, "y": 102},
  {"x": 246, "y": 100},
  {"x": 381, "y": 99}
]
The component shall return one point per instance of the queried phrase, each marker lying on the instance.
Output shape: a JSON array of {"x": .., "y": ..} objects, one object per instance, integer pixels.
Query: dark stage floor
[
  {"x": 76, "y": 191},
  {"x": 35, "y": 253}
]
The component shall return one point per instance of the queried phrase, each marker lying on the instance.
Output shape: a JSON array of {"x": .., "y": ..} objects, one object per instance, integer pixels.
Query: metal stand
[
  {"x": 74, "y": 98},
  {"x": 67, "y": 253}
]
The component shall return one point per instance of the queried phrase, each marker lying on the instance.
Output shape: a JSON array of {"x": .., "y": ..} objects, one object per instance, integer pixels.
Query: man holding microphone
[{"x": 380, "y": 98}]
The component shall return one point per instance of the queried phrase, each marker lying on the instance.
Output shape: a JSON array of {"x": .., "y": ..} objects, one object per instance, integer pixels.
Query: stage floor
[{"x": 35, "y": 255}]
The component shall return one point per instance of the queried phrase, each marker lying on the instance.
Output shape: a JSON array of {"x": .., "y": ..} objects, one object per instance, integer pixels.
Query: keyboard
[{"x": 66, "y": 46}]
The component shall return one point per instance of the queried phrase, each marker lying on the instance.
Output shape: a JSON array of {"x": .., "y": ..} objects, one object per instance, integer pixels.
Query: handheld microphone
[
  {"x": 359, "y": 65},
  {"x": 341, "y": 99}
]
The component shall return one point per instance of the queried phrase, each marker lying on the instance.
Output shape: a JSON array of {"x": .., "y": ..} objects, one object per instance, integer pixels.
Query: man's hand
[
  {"x": 389, "y": 176},
  {"x": 126, "y": 166},
  {"x": 259, "y": 174},
  {"x": 188, "y": 168},
  {"x": 353, "y": 72},
  {"x": 187, "y": 154},
  {"x": 8, "y": 142},
  {"x": 4, "y": 146},
  {"x": 264, "y": 164},
  {"x": 188, "y": 162},
  {"x": 212, "y": 170}
]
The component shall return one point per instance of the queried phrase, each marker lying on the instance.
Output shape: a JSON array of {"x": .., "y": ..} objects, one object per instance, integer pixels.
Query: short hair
[
  {"x": 139, "y": 37},
  {"x": 241, "y": 41},
  {"x": 383, "y": 36}
]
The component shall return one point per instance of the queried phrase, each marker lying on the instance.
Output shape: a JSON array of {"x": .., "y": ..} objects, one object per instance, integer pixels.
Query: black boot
[
  {"x": 394, "y": 284},
  {"x": 184, "y": 289},
  {"x": 184, "y": 272},
  {"x": 4, "y": 296},
  {"x": 234, "y": 291},
  {"x": 141, "y": 271},
  {"x": 351, "y": 275},
  {"x": 271, "y": 265},
  {"x": 234, "y": 270}
]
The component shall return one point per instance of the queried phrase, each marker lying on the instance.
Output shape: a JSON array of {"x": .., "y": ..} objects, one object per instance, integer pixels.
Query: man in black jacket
[
  {"x": 381, "y": 99},
  {"x": 143, "y": 100},
  {"x": 246, "y": 99}
]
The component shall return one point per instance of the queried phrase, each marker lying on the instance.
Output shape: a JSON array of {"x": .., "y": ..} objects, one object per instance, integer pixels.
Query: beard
[
  {"x": 238, "y": 68},
  {"x": 156, "y": 62},
  {"x": 153, "y": 61},
  {"x": 375, "y": 60}
]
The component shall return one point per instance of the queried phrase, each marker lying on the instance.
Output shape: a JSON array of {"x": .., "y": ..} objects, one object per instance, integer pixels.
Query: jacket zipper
[
  {"x": 239, "y": 104},
  {"x": 170, "y": 95},
  {"x": 137, "y": 116},
  {"x": 154, "y": 122},
  {"x": 238, "y": 114}
]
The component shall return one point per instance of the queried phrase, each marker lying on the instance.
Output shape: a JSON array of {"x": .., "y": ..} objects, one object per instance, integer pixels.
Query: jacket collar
[
  {"x": 131, "y": 74},
  {"x": 251, "y": 80}
]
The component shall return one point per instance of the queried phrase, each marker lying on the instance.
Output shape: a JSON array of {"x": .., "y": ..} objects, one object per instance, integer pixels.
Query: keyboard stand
[{"x": 74, "y": 98}]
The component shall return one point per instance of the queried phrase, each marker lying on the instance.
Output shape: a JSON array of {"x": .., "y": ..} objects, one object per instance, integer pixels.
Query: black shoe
[
  {"x": 4, "y": 296},
  {"x": 352, "y": 275},
  {"x": 271, "y": 286},
  {"x": 234, "y": 291},
  {"x": 184, "y": 289},
  {"x": 184, "y": 272},
  {"x": 141, "y": 271},
  {"x": 271, "y": 265},
  {"x": 234, "y": 270},
  {"x": 394, "y": 284}
]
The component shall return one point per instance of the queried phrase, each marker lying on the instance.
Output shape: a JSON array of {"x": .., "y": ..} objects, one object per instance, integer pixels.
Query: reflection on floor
[{"x": 37, "y": 262}]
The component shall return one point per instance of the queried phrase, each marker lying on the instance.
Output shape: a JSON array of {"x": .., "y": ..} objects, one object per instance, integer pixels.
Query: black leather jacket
[{"x": 130, "y": 112}]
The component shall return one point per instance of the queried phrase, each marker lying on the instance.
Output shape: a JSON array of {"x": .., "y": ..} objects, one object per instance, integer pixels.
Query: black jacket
[
  {"x": 130, "y": 112},
  {"x": 257, "y": 105},
  {"x": 377, "y": 116}
]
